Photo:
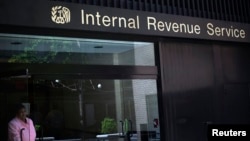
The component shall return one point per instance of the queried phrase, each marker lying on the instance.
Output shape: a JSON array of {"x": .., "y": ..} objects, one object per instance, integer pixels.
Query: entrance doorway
[
  {"x": 84, "y": 109},
  {"x": 80, "y": 89}
]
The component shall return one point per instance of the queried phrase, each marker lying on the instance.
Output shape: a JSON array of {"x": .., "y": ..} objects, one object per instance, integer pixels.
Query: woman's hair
[{"x": 19, "y": 107}]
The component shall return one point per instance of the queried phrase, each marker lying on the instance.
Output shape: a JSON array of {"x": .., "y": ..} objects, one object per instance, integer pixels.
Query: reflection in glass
[
  {"x": 80, "y": 109},
  {"x": 59, "y": 50}
]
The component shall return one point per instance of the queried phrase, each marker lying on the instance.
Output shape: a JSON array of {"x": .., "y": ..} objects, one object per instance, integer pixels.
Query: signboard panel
[{"x": 60, "y": 15}]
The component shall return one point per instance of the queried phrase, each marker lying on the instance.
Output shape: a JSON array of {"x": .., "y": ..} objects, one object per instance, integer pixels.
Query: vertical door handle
[
  {"x": 131, "y": 128},
  {"x": 122, "y": 127}
]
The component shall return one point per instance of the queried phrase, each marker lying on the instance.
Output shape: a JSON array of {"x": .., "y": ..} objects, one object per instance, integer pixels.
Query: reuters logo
[{"x": 60, "y": 15}]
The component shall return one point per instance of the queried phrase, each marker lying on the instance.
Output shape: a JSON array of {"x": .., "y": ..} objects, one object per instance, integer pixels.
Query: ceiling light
[
  {"x": 98, "y": 47},
  {"x": 16, "y": 43}
]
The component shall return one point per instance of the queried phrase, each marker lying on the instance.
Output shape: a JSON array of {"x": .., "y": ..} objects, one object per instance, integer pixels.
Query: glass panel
[
  {"x": 59, "y": 50},
  {"x": 91, "y": 110}
]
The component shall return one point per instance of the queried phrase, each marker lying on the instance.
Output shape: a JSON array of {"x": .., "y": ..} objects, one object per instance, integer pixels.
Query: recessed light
[
  {"x": 16, "y": 43},
  {"x": 98, "y": 47}
]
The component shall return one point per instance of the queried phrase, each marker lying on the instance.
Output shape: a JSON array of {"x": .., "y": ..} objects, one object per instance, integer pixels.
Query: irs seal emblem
[{"x": 60, "y": 15}]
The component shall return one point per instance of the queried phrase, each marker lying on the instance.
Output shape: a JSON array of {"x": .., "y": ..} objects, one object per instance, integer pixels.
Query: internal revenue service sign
[{"x": 60, "y": 15}]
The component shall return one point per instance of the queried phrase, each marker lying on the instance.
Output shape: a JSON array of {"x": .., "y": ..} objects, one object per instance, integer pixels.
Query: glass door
[{"x": 96, "y": 109}]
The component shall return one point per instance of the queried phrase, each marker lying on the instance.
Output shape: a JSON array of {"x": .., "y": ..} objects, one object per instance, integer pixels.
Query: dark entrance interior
[{"x": 71, "y": 101}]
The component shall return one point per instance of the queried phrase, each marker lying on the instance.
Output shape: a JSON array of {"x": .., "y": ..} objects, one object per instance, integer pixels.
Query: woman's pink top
[{"x": 18, "y": 128}]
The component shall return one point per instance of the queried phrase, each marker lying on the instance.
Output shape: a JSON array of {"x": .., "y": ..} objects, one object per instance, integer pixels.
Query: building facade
[{"x": 135, "y": 70}]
